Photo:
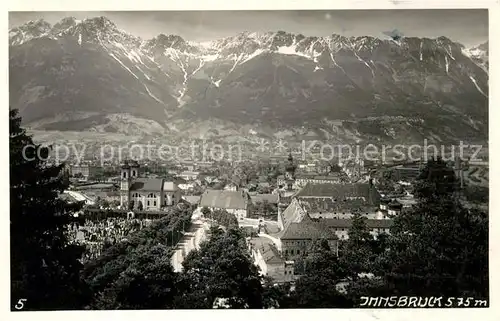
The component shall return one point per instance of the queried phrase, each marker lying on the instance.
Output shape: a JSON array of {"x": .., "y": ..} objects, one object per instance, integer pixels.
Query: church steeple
[{"x": 290, "y": 168}]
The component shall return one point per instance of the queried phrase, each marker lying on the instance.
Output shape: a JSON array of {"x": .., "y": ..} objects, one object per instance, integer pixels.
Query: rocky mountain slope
[{"x": 89, "y": 75}]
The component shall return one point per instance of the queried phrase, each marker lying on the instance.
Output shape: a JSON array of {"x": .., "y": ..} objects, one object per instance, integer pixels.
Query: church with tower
[
  {"x": 287, "y": 181},
  {"x": 286, "y": 185},
  {"x": 145, "y": 193}
]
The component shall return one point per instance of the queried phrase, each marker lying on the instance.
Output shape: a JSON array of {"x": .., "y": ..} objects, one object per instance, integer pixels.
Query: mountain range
[{"x": 91, "y": 76}]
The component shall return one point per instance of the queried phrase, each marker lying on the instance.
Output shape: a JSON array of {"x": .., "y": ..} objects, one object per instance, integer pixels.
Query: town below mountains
[{"x": 88, "y": 78}]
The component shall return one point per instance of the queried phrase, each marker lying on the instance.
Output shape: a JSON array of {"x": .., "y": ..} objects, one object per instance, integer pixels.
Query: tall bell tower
[
  {"x": 125, "y": 185},
  {"x": 134, "y": 169},
  {"x": 290, "y": 172}
]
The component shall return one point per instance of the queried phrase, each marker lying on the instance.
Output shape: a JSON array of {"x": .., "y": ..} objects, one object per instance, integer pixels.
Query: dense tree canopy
[
  {"x": 224, "y": 218},
  {"x": 319, "y": 286},
  {"x": 438, "y": 247},
  {"x": 44, "y": 266},
  {"x": 356, "y": 252},
  {"x": 263, "y": 208},
  {"x": 221, "y": 269}
]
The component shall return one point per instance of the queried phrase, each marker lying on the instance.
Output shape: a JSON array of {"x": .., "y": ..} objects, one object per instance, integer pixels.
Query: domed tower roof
[{"x": 290, "y": 167}]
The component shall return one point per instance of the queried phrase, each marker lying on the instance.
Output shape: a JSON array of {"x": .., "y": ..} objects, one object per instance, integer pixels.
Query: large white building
[
  {"x": 295, "y": 181},
  {"x": 333, "y": 206},
  {"x": 148, "y": 193},
  {"x": 234, "y": 202}
]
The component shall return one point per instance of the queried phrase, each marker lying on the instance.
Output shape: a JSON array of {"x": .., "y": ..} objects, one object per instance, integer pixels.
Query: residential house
[
  {"x": 231, "y": 187},
  {"x": 341, "y": 226},
  {"x": 189, "y": 175},
  {"x": 270, "y": 262}
]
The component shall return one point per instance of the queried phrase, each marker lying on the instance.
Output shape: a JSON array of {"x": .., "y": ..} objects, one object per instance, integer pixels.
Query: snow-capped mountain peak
[
  {"x": 479, "y": 54},
  {"x": 28, "y": 31},
  {"x": 277, "y": 77},
  {"x": 64, "y": 25}
]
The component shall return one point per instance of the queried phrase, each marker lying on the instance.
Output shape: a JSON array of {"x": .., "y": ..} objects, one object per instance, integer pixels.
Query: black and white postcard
[{"x": 250, "y": 159}]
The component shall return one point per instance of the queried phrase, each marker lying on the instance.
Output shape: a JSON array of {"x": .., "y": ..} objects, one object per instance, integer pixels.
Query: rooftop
[
  {"x": 340, "y": 192},
  {"x": 169, "y": 186},
  {"x": 147, "y": 184},
  {"x": 294, "y": 213},
  {"x": 224, "y": 199},
  {"x": 189, "y": 173},
  {"x": 192, "y": 199},
  {"x": 330, "y": 205},
  {"x": 307, "y": 230},
  {"x": 267, "y": 248},
  {"x": 332, "y": 176},
  {"x": 271, "y": 198},
  {"x": 270, "y": 254}
]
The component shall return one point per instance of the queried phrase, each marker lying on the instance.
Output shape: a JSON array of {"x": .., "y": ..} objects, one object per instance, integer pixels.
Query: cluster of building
[
  {"x": 311, "y": 205},
  {"x": 317, "y": 210}
]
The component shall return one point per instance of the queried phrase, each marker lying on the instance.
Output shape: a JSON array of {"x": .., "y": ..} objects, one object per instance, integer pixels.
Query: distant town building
[
  {"x": 204, "y": 165},
  {"x": 407, "y": 201},
  {"x": 150, "y": 193},
  {"x": 339, "y": 200},
  {"x": 186, "y": 186},
  {"x": 341, "y": 226},
  {"x": 85, "y": 171},
  {"x": 189, "y": 175},
  {"x": 293, "y": 180},
  {"x": 391, "y": 207},
  {"x": 288, "y": 180},
  {"x": 259, "y": 198},
  {"x": 406, "y": 172},
  {"x": 231, "y": 187},
  {"x": 299, "y": 231},
  {"x": 235, "y": 202},
  {"x": 308, "y": 167},
  {"x": 332, "y": 206},
  {"x": 304, "y": 178}
]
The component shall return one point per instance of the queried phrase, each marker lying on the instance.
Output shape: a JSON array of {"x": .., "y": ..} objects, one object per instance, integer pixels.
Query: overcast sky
[{"x": 469, "y": 27}]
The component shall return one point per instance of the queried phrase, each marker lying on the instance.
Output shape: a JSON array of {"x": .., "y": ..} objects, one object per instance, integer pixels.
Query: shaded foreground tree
[
  {"x": 277, "y": 295},
  {"x": 356, "y": 251},
  {"x": 438, "y": 248},
  {"x": 319, "y": 286},
  {"x": 221, "y": 269},
  {"x": 44, "y": 266},
  {"x": 146, "y": 282}
]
